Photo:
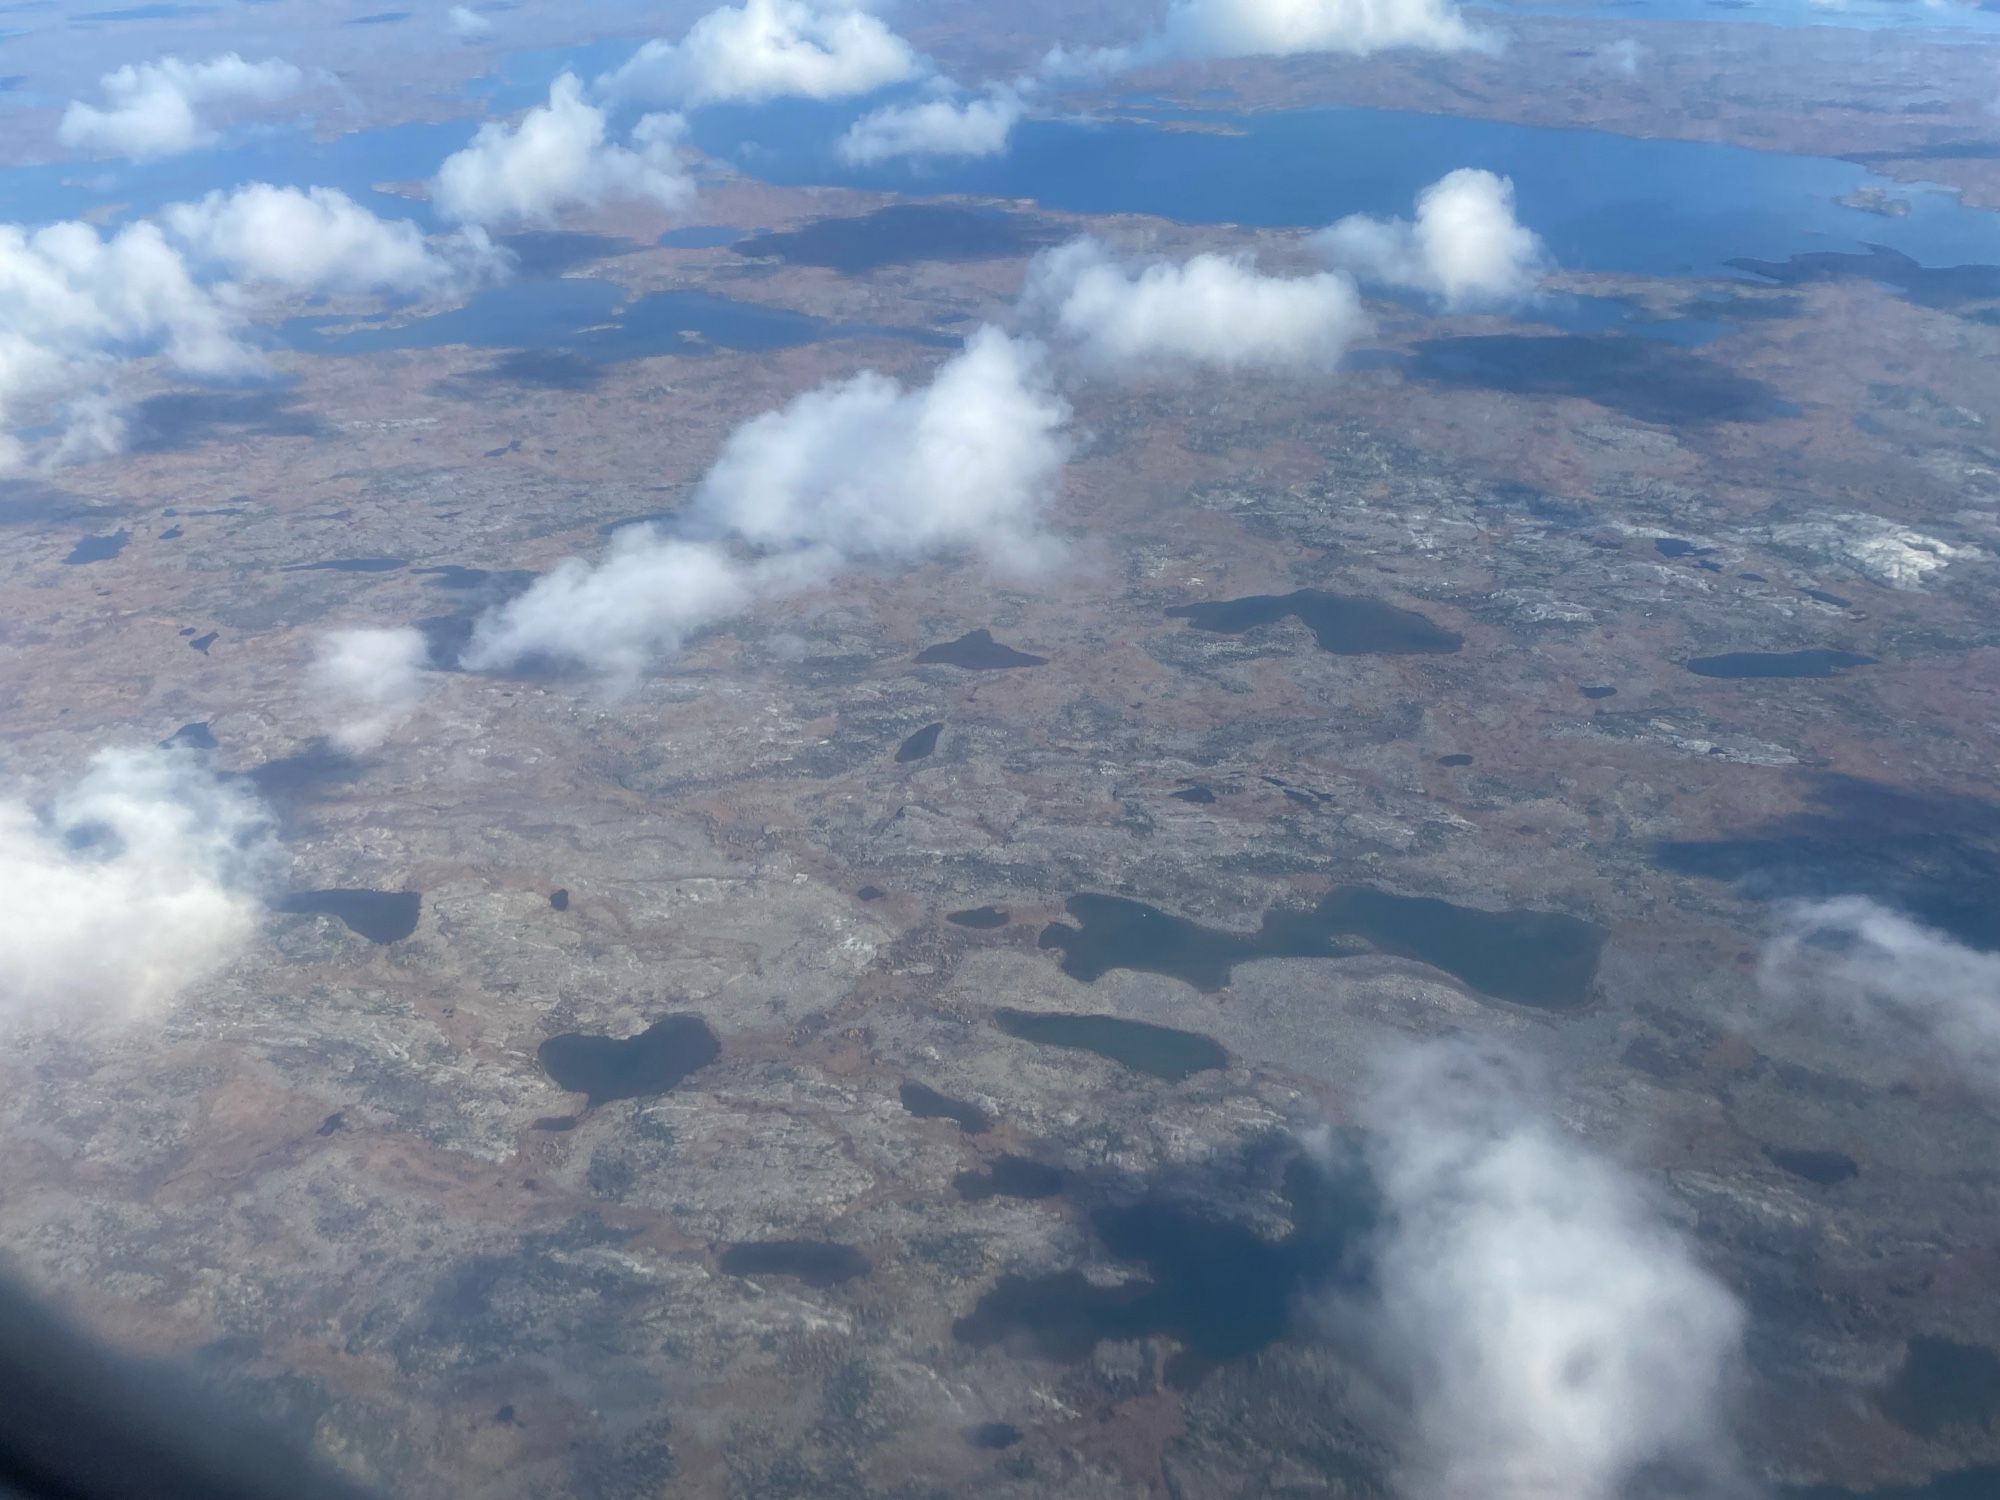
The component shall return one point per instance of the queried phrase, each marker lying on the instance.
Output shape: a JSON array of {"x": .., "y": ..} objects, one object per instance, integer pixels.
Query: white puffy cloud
[
  {"x": 933, "y": 128},
  {"x": 865, "y": 469},
  {"x": 141, "y": 881},
  {"x": 557, "y": 157},
  {"x": 154, "y": 109},
  {"x": 367, "y": 682},
  {"x": 1200, "y": 29},
  {"x": 1285, "y": 28},
  {"x": 318, "y": 239},
  {"x": 1465, "y": 247},
  {"x": 79, "y": 304},
  {"x": 857, "y": 470},
  {"x": 768, "y": 49},
  {"x": 1557, "y": 1332},
  {"x": 1213, "y": 310},
  {"x": 73, "y": 302},
  {"x": 1900, "y": 989},
  {"x": 467, "y": 23}
]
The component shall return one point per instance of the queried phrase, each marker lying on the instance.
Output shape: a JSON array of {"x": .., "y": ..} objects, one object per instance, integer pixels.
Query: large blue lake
[{"x": 1601, "y": 201}]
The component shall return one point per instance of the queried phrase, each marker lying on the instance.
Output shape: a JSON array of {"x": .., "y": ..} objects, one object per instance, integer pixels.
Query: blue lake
[{"x": 1601, "y": 201}]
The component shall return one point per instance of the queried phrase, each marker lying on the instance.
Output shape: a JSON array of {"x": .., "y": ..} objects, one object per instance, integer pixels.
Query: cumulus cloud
[
  {"x": 933, "y": 128},
  {"x": 1560, "y": 1335},
  {"x": 556, "y": 157},
  {"x": 467, "y": 23},
  {"x": 367, "y": 682},
  {"x": 139, "y": 882},
  {"x": 72, "y": 299},
  {"x": 1285, "y": 28},
  {"x": 768, "y": 49},
  {"x": 320, "y": 240},
  {"x": 79, "y": 304},
  {"x": 857, "y": 470},
  {"x": 154, "y": 109},
  {"x": 1905, "y": 990},
  {"x": 1201, "y": 29},
  {"x": 1214, "y": 310},
  {"x": 1465, "y": 247}
]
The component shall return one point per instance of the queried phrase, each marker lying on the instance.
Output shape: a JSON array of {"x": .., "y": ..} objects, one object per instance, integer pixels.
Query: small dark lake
[
  {"x": 978, "y": 651},
  {"x": 901, "y": 234},
  {"x": 919, "y": 745},
  {"x": 196, "y": 736},
  {"x": 1010, "y": 1177},
  {"x": 1815, "y": 662},
  {"x": 1159, "y": 1051},
  {"x": 979, "y": 918},
  {"x": 1543, "y": 959},
  {"x": 815, "y": 1262},
  {"x": 1822, "y": 1168},
  {"x": 99, "y": 548},
  {"x": 1454, "y": 760},
  {"x": 928, "y": 1104},
  {"x": 379, "y": 916},
  {"x": 201, "y": 643},
  {"x": 1341, "y": 624},
  {"x": 348, "y": 565},
  {"x": 1943, "y": 1384},
  {"x": 605, "y": 1068},
  {"x": 559, "y": 899},
  {"x": 1198, "y": 794},
  {"x": 994, "y": 1435}
]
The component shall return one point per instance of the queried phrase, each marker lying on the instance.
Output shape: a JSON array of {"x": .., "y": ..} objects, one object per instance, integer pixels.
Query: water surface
[
  {"x": 928, "y": 1104},
  {"x": 1538, "y": 958},
  {"x": 1342, "y": 624},
  {"x": 99, "y": 548},
  {"x": 919, "y": 745},
  {"x": 977, "y": 651},
  {"x": 1821, "y": 1168},
  {"x": 1602, "y": 201},
  {"x": 1816, "y": 662},
  {"x": 607, "y": 1068},
  {"x": 1160, "y": 1051},
  {"x": 1943, "y": 1385},
  {"x": 380, "y": 916}
]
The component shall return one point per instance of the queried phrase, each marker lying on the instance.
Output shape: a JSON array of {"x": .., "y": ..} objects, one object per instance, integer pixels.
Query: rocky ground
[{"x": 333, "y": 1176}]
